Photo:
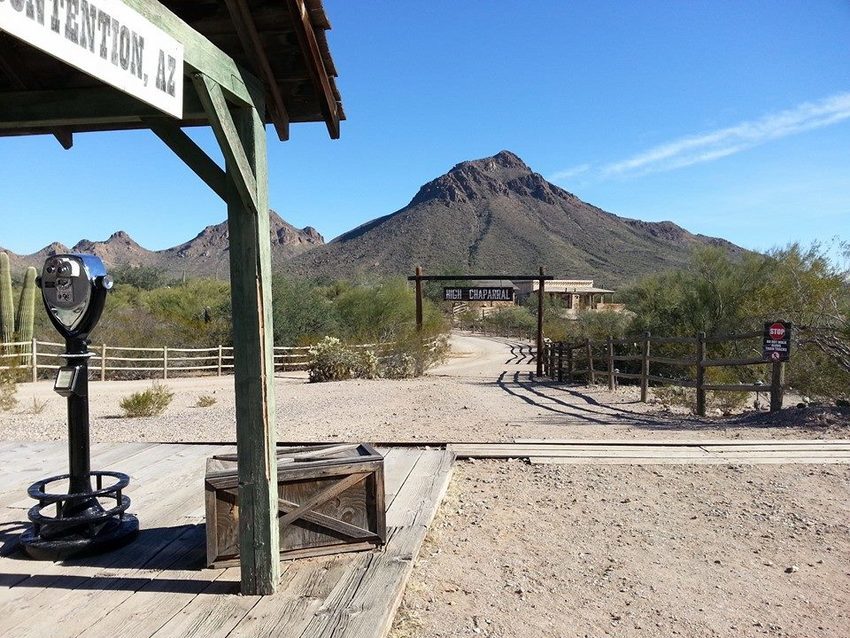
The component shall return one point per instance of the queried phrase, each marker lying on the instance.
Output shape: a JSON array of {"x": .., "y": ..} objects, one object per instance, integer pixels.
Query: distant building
[{"x": 575, "y": 294}]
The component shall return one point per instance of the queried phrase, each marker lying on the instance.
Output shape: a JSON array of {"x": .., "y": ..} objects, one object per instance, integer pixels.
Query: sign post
[{"x": 776, "y": 348}]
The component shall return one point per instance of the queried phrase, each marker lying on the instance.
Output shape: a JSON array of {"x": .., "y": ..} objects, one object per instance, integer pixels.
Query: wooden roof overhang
[
  {"x": 282, "y": 43},
  {"x": 248, "y": 63}
]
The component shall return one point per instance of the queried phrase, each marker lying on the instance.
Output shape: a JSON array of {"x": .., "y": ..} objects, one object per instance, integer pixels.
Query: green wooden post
[{"x": 242, "y": 137}]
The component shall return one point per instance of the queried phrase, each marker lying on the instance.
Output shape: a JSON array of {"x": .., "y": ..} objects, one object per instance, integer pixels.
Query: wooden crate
[{"x": 330, "y": 499}]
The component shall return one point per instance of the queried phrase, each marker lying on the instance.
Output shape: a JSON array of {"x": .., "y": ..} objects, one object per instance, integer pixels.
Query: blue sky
[{"x": 730, "y": 118}]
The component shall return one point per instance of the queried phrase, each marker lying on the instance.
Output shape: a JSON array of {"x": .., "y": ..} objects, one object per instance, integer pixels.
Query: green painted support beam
[
  {"x": 241, "y": 135},
  {"x": 256, "y": 432},
  {"x": 192, "y": 155},
  {"x": 224, "y": 127},
  {"x": 199, "y": 55}
]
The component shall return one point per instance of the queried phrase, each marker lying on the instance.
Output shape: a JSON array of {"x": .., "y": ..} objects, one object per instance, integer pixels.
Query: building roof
[{"x": 280, "y": 42}]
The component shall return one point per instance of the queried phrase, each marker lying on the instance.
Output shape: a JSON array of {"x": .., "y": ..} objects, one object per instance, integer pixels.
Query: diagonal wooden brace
[
  {"x": 322, "y": 497},
  {"x": 226, "y": 133}
]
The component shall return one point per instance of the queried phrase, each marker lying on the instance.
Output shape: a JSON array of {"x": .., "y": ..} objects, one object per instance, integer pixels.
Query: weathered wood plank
[{"x": 709, "y": 460}]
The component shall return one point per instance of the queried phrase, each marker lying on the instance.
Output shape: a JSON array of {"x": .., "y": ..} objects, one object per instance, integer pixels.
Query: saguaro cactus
[
  {"x": 25, "y": 317},
  {"x": 7, "y": 305}
]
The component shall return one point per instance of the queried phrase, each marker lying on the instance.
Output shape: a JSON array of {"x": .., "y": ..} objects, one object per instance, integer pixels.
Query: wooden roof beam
[
  {"x": 62, "y": 134},
  {"x": 318, "y": 74},
  {"x": 246, "y": 29},
  {"x": 78, "y": 108}
]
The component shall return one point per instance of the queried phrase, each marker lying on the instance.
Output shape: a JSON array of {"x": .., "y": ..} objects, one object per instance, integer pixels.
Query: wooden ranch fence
[
  {"x": 572, "y": 361},
  {"x": 122, "y": 362}
]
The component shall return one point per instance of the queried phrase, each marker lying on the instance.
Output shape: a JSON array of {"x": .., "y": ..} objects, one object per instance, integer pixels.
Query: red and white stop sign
[{"x": 777, "y": 331}]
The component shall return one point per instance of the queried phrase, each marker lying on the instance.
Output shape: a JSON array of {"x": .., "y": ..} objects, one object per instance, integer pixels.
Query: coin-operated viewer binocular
[{"x": 85, "y": 519}]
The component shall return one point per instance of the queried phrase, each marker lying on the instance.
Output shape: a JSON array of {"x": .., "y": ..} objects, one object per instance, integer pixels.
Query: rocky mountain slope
[
  {"x": 204, "y": 255},
  {"x": 495, "y": 215},
  {"x": 490, "y": 216}
]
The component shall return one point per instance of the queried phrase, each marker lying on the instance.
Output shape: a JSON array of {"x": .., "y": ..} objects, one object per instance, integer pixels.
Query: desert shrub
[
  {"x": 150, "y": 402},
  {"x": 205, "y": 401},
  {"x": 332, "y": 360},
  {"x": 675, "y": 396},
  {"x": 301, "y": 313},
  {"x": 37, "y": 406},
  {"x": 398, "y": 365},
  {"x": 8, "y": 390},
  {"x": 720, "y": 293}
]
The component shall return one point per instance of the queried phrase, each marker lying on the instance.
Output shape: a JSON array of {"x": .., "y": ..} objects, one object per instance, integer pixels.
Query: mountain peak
[{"x": 502, "y": 174}]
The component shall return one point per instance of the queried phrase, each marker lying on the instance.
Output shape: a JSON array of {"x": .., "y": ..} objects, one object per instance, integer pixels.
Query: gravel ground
[
  {"x": 543, "y": 551},
  {"x": 483, "y": 392},
  {"x": 550, "y": 551}
]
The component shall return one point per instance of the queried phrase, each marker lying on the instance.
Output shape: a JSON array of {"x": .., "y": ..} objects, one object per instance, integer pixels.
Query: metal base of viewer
[
  {"x": 114, "y": 534},
  {"x": 81, "y": 525}
]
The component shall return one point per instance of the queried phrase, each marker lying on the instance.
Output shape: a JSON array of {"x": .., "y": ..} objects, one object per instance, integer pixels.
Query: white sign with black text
[{"x": 107, "y": 40}]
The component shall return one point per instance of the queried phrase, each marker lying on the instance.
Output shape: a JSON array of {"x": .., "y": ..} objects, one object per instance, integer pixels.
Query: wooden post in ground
[
  {"x": 777, "y": 380},
  {"x": 540, "y": 291},
  {"x": 419, "y": 298},
  {"x": 165, "y": 362},
  {"x": 570, "y": 365},
  {"x": 610, "y": 363},
  {"x": 241, "y": 135},
  {"x": 220, "y": 358},
  {"x": 103, "y": 362},
  {"x": 591, "y": 372},
  {"x": 560, "y": 361},
  {"x": 644, "y": 367},
  {"x": 34, "y": 360},
  {"x": 700, "y": 374}
]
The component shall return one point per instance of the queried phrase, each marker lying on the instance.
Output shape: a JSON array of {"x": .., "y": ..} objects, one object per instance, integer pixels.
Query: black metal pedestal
[
  {"x": 81, "y": 524},
  {"x": 86, "y": 520}
]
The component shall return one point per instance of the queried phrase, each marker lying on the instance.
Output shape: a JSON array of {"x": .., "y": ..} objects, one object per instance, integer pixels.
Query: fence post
[
  {"x": 103, "y": 362},
  {"x": 610, "y": 363},
  {"x": 33, "y": 360},
  {"x": 591, "y": 373},
  {"x": 701, "y": 374},
  {"x": 220, "y": 356},
  {"x": 644, "y": 367},
  {"x": 560, "y": 361},
  {"x": 570, "y": 365},
  {"x": 165, "y": 362},
  {"x": 777, "y": 380}
]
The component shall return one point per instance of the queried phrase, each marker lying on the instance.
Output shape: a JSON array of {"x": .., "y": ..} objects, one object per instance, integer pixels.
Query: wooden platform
[
  {"x": 649, "y": 452},
  {"x": 157, "y": 586}
]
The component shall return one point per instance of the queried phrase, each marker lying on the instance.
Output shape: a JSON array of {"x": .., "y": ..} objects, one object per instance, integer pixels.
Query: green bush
[
  {"x": 205, "y": 401},
  {"x": 151, "y": 402},
  {"x": 332, "y": 360},
  {"x": 8, "y": 390}
]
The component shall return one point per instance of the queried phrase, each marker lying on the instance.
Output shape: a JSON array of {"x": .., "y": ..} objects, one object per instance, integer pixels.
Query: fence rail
[
  {"x": 573, "y": 361},
  {"x": 38, "y": 357}
]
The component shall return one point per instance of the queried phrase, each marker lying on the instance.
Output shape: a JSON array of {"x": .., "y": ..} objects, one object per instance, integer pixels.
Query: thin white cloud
[
  {"x": 568, "y": 173},
  {"x": 713, "y": 145}
]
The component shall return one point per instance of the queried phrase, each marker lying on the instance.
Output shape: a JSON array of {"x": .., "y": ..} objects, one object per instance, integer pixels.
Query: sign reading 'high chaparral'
[
  {"x": 505, "y": 293},
  {"x": 107, "y": 40}
]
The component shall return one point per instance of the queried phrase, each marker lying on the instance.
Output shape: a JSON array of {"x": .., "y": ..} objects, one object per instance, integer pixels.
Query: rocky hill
[
  {"x": 490, "y": 216},
  {"x": 204, "y": 255},
  {"x": 495, "y": 215}
]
